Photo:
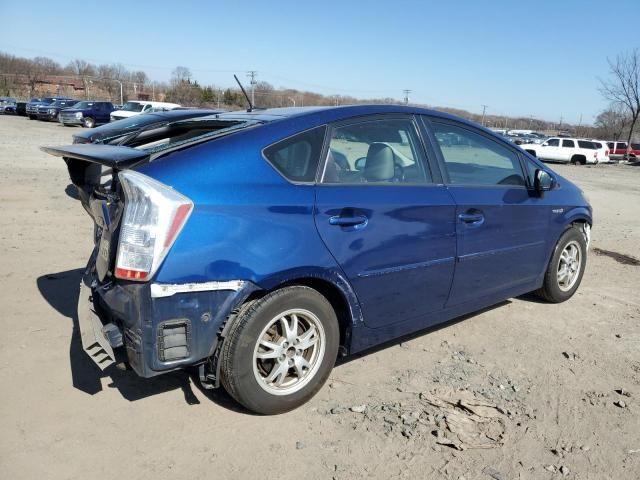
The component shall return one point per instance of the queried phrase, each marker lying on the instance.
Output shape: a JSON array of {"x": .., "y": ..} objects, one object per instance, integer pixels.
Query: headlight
[
  {"x": 52, "y": 111},
  {"x": 79, "y": 115}
]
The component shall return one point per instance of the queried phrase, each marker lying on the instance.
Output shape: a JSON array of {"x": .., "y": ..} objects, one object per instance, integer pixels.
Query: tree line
[{"x": 28, "y": 77}]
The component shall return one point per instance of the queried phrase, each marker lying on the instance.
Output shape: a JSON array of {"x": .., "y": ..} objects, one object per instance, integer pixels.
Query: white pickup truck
[{"x": 565, "y": 150}]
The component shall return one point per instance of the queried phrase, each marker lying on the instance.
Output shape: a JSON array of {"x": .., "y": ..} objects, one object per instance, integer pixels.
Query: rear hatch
[{"x": 93, "y": 169}]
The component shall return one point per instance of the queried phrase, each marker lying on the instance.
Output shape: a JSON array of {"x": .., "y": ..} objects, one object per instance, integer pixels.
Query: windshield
[
  {"x": 132, "y": 107},
  {"x": 83, "y": 105}
]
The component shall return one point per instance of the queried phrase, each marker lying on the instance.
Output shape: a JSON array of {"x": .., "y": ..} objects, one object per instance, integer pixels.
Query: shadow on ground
[{"x": 61, "y": 291}]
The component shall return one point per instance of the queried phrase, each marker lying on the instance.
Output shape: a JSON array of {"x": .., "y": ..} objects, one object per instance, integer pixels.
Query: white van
[{"x": 136, "y": 107}]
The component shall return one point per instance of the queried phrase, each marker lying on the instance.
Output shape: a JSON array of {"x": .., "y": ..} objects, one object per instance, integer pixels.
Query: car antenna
[{"x": 250, "y": 109}]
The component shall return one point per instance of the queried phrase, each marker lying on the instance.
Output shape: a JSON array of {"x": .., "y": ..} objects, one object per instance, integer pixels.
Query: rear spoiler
[{"x": 113, "y": 156}]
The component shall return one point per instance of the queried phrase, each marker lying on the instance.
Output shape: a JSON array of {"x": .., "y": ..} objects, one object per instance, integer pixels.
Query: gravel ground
[{"x": 523, "y": 390}]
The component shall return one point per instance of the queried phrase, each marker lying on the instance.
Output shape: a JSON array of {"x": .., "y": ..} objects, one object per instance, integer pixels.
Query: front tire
[
  {"x": 280, "y": 350},
  {"x": 566, "y": 267}
]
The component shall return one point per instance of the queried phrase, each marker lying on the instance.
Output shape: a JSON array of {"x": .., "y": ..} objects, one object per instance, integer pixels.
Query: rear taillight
[
  {"x": 153, "y": 216},
  {"x": 606, "y": 153}
]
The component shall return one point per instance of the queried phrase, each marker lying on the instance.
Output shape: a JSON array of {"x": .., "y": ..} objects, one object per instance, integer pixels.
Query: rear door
[
  {"x": 567, "y": 150},
  {"x": 501, "y": 229},
  {"x": 386, "y": 219}
]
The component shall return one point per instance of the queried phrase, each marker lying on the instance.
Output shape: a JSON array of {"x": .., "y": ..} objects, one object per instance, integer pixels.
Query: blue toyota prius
[{"x": 258, "y": 246}]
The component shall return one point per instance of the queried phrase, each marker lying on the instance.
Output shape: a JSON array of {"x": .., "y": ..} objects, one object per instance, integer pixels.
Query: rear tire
[
  {"x": 280, "y": 350},
  {"x": 566, "y": 268}
]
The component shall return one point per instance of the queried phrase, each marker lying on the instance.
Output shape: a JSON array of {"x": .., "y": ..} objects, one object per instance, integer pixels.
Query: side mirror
[
  {"x": 360, "y": 163},
  {"x": 545, "y": 144},
  {"x": 543, "y": 181}
]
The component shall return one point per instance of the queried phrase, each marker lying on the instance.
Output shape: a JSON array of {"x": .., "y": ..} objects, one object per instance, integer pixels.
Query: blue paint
[{"x": 421, "y": 255}]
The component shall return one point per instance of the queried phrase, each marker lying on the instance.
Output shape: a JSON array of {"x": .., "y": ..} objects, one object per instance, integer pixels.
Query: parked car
[
  {"x": 7, "y": 105},
  {"x": 35, "y": 103},
  {"x": 257, "y": 246},
  {"x": 617, "y": 150},
  {"x": 137, "y": 107},
  {"x": 622, "y": 151},
  {"x": 51, "y": 112},
  {"x": 87, "y": 114},
  {"x": 115, "y": 133},
  {"x": 21, "y": 109},
  {"x": 564, "y": 150}
]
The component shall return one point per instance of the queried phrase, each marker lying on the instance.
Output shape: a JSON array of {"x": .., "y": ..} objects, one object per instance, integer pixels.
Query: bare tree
[
  {"x": 624, "y": 86},
  {"x": 613, "y": 121}
]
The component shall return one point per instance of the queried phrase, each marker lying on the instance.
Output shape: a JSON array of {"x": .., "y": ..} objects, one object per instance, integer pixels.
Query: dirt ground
[{"x": 548, "y": 391}]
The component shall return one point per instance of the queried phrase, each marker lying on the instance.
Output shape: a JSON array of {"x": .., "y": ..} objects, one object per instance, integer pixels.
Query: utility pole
[
  {"x": 406, "y": 96},
  {"x": 579, "y": 125},
  {"x": 484, "y": 108},
  {"x": 252, "y": 74}
]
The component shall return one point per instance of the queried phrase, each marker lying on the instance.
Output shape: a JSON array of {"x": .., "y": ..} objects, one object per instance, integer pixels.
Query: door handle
[
  {"x": 351, "y": 221},
  {"x": 471, "y": 218}
]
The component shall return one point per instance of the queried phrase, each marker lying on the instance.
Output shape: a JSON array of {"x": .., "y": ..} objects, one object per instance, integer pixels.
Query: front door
[
  {"x": 385, "y": 221},
  {"x": 502, "y": 229}
]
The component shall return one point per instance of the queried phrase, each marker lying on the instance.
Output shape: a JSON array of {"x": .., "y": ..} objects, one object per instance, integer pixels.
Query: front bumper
[
  {"x": 46, "y": 116},
  {"x": 159, "y": 333}
]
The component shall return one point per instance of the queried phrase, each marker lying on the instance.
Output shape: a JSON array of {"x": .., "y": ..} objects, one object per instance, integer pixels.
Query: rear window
[{"x": 297, "y": 157}]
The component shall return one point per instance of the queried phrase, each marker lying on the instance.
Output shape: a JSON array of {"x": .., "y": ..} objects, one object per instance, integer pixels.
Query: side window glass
[
  {"x": 568, "y": 143},
  {"x": 297, "y": 157},
  {"x": 473, "y": 159},
  {"x": 376, "y": 152},
  {"x": 554, "y": 142},
  {"x": 610, "y": 145}
]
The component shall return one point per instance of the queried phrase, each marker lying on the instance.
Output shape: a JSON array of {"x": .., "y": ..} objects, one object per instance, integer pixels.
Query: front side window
[
  {"x": 621, "y": 146},
  {"x": 384, "y": 151},
  {"x": 610, "y": 145},
  {"x": 554, "y": 142},
  {"x": 568, "y": 143},
  {"x": 297, "y": 157},
  {"x": 473, "y": 159}
]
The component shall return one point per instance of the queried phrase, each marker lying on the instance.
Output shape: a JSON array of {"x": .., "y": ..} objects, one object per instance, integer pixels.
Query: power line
[{"x": 484, "y": 108}]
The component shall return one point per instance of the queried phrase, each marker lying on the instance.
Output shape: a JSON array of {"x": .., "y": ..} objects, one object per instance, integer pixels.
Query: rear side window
[
  {"x": 610, "y": 145},
  {"x": 376, "y": 152},
  {"x": 568, "y": 143},
  {"x": 473, "y": 159},
  {"x": 297, "y": 157},
  {"x": 584, "y": 144},
  {"x": 621, "y": 146}
]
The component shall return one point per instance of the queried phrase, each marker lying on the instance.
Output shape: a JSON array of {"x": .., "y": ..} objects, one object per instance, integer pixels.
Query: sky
[{"x": 542, "y": 59}]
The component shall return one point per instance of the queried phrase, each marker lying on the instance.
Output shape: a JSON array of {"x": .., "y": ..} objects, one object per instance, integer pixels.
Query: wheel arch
[{"x": 331, "y": 284}]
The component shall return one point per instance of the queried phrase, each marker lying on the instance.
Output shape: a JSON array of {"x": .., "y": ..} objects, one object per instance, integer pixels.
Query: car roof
[{"x": 332, "y": 113}]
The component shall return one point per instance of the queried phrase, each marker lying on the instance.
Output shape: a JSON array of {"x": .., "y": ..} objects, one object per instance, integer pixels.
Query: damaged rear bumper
[{"x": 155, "y": 328}]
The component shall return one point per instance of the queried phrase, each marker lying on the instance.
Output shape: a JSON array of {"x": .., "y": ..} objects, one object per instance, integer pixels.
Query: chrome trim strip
[
  {"x": 499, "y": 251},
  {"x": 402, "y": 268},
  {"x": 159, "y": 290}
]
